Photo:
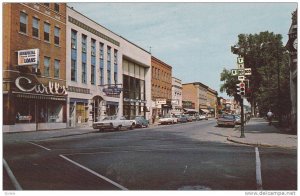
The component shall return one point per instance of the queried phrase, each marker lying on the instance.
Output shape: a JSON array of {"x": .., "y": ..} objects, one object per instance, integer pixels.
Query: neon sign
[{"x": 52, "y": 88}]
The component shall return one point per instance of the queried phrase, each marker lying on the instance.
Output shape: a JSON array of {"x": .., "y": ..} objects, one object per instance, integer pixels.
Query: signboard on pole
[
  {"x": 248, "y": 71},
  {"x": 241, "y": 78}
]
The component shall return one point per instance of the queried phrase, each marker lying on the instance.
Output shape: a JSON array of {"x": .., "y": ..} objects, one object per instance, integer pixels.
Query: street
[{"x": 188, "y": 156}]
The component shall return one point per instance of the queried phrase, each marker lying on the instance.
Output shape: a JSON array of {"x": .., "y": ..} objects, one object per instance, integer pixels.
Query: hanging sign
[{"x": 28, "y": 57}]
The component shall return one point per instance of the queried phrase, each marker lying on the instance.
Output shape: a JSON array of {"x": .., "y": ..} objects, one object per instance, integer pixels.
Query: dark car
[
  {"x": 181, "y": 118},
  {"x": 141, "y": 121},
  {"x": 226, "y": 120},
  {"x": 189, "y": 117}
]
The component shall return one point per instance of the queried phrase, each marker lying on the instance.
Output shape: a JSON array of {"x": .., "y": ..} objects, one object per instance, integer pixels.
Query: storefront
[{"x": 34, "y": 105}]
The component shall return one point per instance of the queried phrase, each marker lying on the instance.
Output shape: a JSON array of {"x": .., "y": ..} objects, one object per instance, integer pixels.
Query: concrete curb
[{"x": 259, "y": 144}]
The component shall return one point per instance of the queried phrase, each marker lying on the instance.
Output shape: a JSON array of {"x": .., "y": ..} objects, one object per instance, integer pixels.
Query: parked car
[
  {"x": 167, "y": 119},
  {"x": 203, "y": 117},
  {"x": 114, "y": 122},
  {"x": 189, "y": 118},
  {"x": 226, "y": 120},
  {"x": 181, "y": 118},
  {"x": 141, "y": 121},
  {"x": 238, "y": 119}
]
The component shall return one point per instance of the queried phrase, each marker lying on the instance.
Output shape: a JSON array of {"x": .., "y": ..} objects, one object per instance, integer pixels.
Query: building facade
[
  {"x": 196, "y": 93},
  {"x": 34, "y": 67},
  {"x": 176, "y": 95},
  {"x": 292, "y": 46},
  {"x": 107, "y": 75},
  {"x": 161, "y": 87},
  {"x": 212, "y": 103}
]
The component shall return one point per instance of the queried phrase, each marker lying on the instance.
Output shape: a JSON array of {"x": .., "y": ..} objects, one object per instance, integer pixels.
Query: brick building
[
  {"x": 161, "y": 87},
  {"x": 34, "y": 70}
]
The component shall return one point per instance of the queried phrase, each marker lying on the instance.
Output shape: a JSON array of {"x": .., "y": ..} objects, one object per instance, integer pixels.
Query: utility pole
[{"x": 242, "y": 118}]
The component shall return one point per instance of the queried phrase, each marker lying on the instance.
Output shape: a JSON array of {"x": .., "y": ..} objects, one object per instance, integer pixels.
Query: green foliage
[{"x": 265, "y": 54}]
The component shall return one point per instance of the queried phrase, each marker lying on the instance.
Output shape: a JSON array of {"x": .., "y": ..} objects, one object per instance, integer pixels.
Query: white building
[
  {"x": 97, "y": 61},
  {"x": 176, "y": 95}
]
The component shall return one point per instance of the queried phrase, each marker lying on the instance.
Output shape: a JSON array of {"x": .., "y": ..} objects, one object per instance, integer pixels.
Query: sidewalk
[{"x": 259, "y": 133}]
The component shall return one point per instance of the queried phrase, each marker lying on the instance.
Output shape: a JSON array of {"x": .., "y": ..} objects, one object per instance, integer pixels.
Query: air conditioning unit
[
  {"x": 83, "y": 50},
  {"x": 73, "y": 46},
  {"x": 93, "y": 53}
]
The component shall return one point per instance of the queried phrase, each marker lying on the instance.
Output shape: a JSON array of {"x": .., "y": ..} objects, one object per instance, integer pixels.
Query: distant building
[
  {"x": 203, "y": 97},
  {"x": 161, "y": 87},
  {"x": 292, "y": 46},
  {"x": 34, "y": 66},
  {"x": 176, "y": 95}
]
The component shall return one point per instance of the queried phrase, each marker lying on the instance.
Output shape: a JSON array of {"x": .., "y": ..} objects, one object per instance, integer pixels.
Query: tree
[{"x": 265, "y": 54}]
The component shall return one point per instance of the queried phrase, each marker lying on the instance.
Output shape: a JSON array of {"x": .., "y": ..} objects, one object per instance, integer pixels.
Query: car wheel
[
  {"x": 100, "y": 130},
  {"x": 132, "y": 126},
  {"x": 119, "y": 128}
]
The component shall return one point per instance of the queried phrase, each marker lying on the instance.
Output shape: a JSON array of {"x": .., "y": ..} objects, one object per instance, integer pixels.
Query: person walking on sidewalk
[{"x": 270, "y": 116}]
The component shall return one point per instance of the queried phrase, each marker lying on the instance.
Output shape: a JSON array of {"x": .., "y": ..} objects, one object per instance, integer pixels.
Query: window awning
[{"x": 205, "y": 110}]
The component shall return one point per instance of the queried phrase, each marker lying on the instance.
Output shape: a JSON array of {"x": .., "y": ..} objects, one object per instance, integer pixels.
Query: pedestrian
[{"x": 270, "y": 116}]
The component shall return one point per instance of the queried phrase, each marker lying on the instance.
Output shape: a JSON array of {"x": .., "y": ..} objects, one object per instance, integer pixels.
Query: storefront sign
[
  {"x": 160, "y": 101},
  {"x": 28, "y": 57},
  {"x": 53, "y": 88},
  {"x": 134, "y": 100},
  {"x": 112, "y": 90},
  {"x": 24, "y": 117}
]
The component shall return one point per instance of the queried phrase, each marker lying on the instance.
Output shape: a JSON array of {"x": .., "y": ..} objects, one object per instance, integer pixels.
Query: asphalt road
[{"x": 189, "y": 156}]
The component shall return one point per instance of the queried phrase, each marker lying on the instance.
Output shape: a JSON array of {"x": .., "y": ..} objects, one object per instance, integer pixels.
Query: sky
[{"x": 194, "y": 38}]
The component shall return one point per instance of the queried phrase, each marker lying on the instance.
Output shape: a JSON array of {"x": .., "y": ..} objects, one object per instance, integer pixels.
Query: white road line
[
  {"x": 11, "y": 176},
  {"x": 39, "y": 146},
  {"x": 258, "y": 170},
  {"x": 94, "y": 173}
]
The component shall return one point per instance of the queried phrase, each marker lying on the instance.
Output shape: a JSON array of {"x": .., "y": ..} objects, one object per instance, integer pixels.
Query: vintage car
[
  {"x": 114, "y": 122},
  {"x": 226, "y": 120},
  {"x": 141, "y": 121},
  {"x": 167, "y": 119},
  {"x": 181, "y": 118},
  {"x": 203, "y": 117}
]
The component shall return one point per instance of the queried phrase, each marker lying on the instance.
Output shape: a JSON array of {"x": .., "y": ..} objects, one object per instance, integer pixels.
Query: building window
[
  {"x": 47, "y": 4},
  {"x": 108, "y": 65},
  {"x": 101, "y": 63},
  {"x": 56, "y": 35},
  {"x": 83, "y": 43},
  {"x": 56, "y": 7},
  {"x": 35, "y": 27},
  {"x": 83, "y": 73},
  {"x": 56, "y": 68},
  {"x": 93, "y": 74},
  {"x": 47, "y": 66},
  {"x": 116, "y": 66},
  {"x": 93, "y": 47},
  {"x": 47, "y": 32},
  {"x": 23, "y": 22},
  {"x": 73, "y": 39},
  {"x": 73, "y": 70}
]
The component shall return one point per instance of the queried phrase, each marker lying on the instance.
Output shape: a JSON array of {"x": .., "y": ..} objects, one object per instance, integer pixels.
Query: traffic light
[{"x": 242, "y": 88}]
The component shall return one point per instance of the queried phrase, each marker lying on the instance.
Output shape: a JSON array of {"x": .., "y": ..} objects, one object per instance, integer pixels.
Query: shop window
[
  {"x": 47, "y": 32},
  {"x": 35, "y": 27},
  {"x": 23, "y": 22},
  {"x": 25, "y": 110},
  {"x": 56, "y": 35}
]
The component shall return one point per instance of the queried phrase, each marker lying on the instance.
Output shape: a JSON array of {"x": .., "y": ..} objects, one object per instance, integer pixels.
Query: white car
[
  {"x": 168, "y": 119},
  {"x": 203, "y": 117},
  {"x": 114, "y": 122}
]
